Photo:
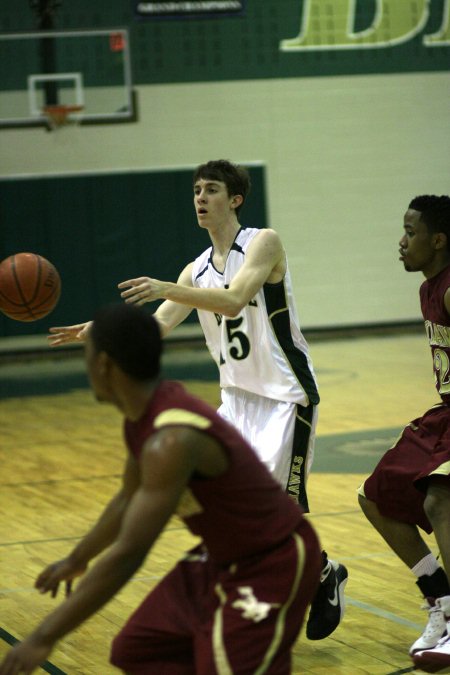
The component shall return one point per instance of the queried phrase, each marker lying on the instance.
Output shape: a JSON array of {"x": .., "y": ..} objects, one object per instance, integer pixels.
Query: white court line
[{"x": 383, "y": 613}]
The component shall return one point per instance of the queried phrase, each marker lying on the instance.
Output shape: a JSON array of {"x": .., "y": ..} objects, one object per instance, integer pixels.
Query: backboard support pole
[{"x": 45, "y": 11}]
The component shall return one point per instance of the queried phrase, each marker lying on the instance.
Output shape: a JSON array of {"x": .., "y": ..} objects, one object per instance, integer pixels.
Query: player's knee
[{"x": 437, "y": 504}]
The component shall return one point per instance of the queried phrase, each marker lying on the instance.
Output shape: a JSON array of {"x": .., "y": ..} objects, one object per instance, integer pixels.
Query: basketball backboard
[{"x": 88, "y": 71}]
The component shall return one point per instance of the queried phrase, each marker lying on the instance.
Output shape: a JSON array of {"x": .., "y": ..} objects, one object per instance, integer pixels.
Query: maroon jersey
[
  {"x": 238, "y": 514},
  {"x": 437, "y": 326}
]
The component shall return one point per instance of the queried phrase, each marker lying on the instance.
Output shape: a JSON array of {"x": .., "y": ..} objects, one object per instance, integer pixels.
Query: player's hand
[
  {"x": 66, "y": 334},
  {"x": 25, "y": 657},
  {"x": 62, "y": 570},
  {"x": 141, "y": 290}
]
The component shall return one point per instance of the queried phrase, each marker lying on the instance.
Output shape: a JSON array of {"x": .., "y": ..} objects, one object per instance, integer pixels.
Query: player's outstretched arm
[
  {"x": 103, "y": 533},
  {"x": 145, "y": 289},
  {"x": 265, "y": 261},
  {"x": 66, "y": 570},
  {"x": 165, "y": 472},
  {"x": 169, "y": 314},
  {"x": 63, "y": 335},
  {"x": 25, "y": 659}
]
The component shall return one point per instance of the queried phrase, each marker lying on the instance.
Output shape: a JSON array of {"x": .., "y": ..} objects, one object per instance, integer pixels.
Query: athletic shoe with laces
[
  {"x": 435, "y": 660},
  {"x": 434, "y": 630},
  {"x": 327, "y": 608}
]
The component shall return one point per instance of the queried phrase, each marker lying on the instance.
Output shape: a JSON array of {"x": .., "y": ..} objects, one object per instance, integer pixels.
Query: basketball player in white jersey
[{"x": 241, "y": 288}]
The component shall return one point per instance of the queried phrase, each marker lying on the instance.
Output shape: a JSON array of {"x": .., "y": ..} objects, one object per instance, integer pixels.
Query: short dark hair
[
  {"x": 434, "y": 212},
  {"x": 235, "y": 177},
  {"x": 130, "y": 335}
]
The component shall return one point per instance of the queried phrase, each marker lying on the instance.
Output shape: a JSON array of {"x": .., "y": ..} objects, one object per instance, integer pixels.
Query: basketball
[{"x": 30, "y": 287}]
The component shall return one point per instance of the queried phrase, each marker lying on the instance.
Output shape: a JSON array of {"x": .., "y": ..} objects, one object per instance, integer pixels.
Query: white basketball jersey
[{"x": 262, "y": 350}]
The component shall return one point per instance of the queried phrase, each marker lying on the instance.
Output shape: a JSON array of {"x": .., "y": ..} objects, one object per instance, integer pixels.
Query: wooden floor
[{"x": 61, "y": 458}]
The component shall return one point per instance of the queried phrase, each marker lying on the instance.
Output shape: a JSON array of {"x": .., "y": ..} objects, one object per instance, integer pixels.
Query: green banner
[{"x": 270, "y": 39}]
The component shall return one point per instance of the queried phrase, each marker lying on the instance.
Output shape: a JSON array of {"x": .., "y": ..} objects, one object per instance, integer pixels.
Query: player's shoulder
[
  {"x": 269, "y": 233},
  {"x": 267, "y": 237}
]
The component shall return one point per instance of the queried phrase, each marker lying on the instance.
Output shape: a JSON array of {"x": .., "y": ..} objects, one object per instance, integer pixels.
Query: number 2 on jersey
[{"x": 442, "y": 368}]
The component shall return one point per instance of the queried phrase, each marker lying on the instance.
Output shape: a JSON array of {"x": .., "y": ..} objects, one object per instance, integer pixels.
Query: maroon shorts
[
  {"x": 202, "y": 619},
  {"x": 399, "y": 482}
]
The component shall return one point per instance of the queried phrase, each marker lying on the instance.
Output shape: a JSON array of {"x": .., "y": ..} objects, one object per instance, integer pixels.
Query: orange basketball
[{"x": 30, "y": 287}]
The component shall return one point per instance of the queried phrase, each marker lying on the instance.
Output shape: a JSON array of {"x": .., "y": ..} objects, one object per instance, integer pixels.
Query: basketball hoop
[{"x": 60, "y": 115}]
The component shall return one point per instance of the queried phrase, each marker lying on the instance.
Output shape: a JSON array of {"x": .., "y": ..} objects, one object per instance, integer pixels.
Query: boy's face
[
  {"x": 212, "y": 203},
  {"x": 417, "y": 245}
]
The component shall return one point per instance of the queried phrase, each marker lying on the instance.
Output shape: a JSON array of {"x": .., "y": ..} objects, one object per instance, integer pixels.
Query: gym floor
[{"x": 62, "y": 456}]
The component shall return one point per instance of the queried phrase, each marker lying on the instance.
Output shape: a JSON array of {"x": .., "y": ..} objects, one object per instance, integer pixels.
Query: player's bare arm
[
  {"x": 447, "y": 300},
  {"x": 166, "y": 465},
  {"x": 103, "y": 533},
  {"x": 170, "y": 314},
  {"x": 265, "y": 262}
]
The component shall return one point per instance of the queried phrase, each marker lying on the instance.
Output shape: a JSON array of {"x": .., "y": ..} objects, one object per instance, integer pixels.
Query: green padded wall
[{"x": 100, "y": 229}]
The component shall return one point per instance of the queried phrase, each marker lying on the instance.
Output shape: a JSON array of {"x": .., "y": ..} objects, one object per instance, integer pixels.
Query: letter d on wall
[{"x": 330, "y": 25}]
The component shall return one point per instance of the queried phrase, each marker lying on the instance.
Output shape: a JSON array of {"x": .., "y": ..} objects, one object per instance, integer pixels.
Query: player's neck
[
  {"x": 223, "y": 236},
  {"x": 436, "y": 267},
  {"x": 134, "y": 399}
]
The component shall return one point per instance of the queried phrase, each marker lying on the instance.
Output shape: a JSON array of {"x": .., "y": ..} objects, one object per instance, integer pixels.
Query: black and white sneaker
[{"x": 327, "y": 608}]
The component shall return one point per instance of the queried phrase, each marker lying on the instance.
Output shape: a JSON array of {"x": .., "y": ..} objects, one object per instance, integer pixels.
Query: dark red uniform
[
  {"x": 235, "y": 604},
  {"x": 398, "y": 482}
]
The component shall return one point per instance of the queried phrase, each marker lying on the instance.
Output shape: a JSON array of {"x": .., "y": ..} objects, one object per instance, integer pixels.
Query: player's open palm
[
  {"x": 140, "y": 290},
  {"x": 25, "y": 657},
  {"x": 62, "y": 335},
  {"x": 63, "y": 570}
]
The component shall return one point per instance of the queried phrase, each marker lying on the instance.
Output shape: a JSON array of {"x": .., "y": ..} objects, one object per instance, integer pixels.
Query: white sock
[{"x": 426, "y": 567}]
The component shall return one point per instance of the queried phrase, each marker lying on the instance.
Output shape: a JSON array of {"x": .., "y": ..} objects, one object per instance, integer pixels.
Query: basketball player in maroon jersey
[
  {"x": 236, "y": 602},
  {"x": 410, "y": 487}
]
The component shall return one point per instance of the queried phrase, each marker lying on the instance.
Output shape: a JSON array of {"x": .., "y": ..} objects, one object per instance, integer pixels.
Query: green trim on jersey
[{"x": 278, "y": 313}]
